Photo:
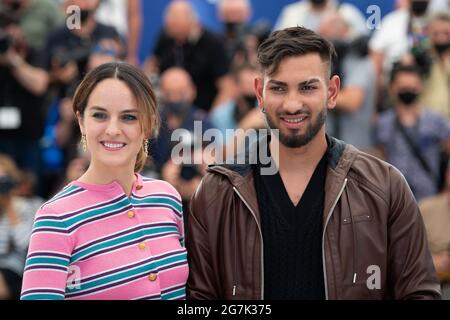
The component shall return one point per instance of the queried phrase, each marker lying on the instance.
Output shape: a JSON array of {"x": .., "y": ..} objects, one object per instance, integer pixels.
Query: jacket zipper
[
  {"x": 262, "y": 243},
  {"x": 323, "y": 237}
]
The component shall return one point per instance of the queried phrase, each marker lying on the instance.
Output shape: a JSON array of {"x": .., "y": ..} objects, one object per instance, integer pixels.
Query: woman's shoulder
[
  {"x": 152, "y": 186},
  {"x": 64, "y": 200}
]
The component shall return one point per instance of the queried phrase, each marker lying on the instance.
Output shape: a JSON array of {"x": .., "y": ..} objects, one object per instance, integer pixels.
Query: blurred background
[{"x": 200, "y": 55}]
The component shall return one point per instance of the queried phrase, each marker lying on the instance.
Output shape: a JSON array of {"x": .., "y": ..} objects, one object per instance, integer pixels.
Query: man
[
  {"x": 67, "y": 50},
  {"x": 23, "y": 83},
  {"x": 186, "y": 44},
  {"x": 334, "y": 223},
  {"x": 411, "y": 137},
  {"x": 307, "y": 13},
  {"x": 436, "y": 217},
  {"x": 240, "y": 112},
  {"x": 351, "y": 120},
  {"x": 436, "y": 95},
  {"x": 399, "y": 32}
]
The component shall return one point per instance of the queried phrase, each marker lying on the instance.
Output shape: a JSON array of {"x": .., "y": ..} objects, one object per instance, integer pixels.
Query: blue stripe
[
  {"x": 42, "y": 296},
  {"x": 136, "y": 272},
  {"x": 122, "y": 240}
]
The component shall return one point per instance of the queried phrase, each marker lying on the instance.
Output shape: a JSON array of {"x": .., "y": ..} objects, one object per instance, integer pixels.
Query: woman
[
  {"x": 16, "y": 220},
  {"x": 111, "y": 234}
]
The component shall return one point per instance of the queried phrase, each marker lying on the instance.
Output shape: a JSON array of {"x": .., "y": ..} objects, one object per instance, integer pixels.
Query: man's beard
[{"x": 299, "y": 140}]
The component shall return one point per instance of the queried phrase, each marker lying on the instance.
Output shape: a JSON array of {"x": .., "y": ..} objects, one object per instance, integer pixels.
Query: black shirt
[
  {"x": 63, "y": 46},
  {"x": 205, "y": 60},
  {"x": 21, "y": 112},
  {"x": 292, "y": 236}
]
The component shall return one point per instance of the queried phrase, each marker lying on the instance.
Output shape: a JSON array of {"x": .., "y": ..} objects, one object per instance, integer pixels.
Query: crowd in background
[{"x": 394, "y": 101}]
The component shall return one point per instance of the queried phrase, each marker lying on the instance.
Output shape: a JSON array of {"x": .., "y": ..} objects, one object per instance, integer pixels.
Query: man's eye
[
  {"x": 99, "y": 115},
  {"x": 129, "y": 117},
  {"x": 308, "y": 88},
  {"x": 277, "y": 89}
]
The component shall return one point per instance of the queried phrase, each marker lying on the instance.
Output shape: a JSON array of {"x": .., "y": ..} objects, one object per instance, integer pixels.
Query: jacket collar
[
  {"x": 340, "y": 157},
  {"x": 336, "y": 159}
]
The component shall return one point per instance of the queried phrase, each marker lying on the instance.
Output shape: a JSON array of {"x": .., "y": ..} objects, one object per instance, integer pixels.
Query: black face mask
[
  {"x": 177, "y": 108},
  {"x": 441, "y": 47},
  {"x": 232, "y": 27},
  {"x": 15, "y": 6},
  {"x": 419, "y": 7},
  {"x": 407, "y": 96},
  {"x": 318, "y": 3},
  {"x": 250, "y": 100},
  {"x": 84, "y": 15}
]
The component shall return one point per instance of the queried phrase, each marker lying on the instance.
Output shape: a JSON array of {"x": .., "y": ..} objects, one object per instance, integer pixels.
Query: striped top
[
  {"x": 14, "y": 238},
  {"x": 94, "y": 242}
]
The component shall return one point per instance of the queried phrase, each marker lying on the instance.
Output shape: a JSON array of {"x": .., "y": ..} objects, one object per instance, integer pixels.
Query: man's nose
[{"x": 292, "y": 102}]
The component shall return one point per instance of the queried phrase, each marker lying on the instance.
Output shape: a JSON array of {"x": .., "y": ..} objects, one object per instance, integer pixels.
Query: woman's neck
[{"x": 97, "y": 175}]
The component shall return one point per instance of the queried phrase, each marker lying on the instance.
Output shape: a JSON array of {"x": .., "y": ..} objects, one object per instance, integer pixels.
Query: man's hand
[
  {"x": 64, "y": 74},
  {"x": 442, "y": 265},
  {"x": 4, "y": 290},
  {"x": 10, "y": 58}
]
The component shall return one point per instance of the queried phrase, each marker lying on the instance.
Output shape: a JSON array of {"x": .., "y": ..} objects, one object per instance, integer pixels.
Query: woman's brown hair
[{"x": 142, "y": 90}]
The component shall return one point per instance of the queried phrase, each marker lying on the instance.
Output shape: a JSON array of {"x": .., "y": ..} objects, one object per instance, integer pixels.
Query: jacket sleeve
[
  {"x": 201, "y": 283},
  {"x": 411, "y": 273}
]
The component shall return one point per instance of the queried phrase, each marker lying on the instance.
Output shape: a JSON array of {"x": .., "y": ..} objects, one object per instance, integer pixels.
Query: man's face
[
  {"x": 439, "y": 32},
  {"x": 296, "y": 98}
]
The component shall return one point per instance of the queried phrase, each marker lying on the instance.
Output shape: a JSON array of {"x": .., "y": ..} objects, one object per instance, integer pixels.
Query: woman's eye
[
  {"x": 129, "y": 117},
  {"x": 99, "y": 115}
]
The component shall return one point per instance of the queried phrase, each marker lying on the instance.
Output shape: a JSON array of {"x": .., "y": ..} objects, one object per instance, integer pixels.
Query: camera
[
  {"x": 6, "y": 184},
  {"x": 63, "y": 56},
  {"x": 5, "y": 42}
]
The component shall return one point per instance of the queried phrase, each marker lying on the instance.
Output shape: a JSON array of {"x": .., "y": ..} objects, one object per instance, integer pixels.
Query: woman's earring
[
  {"x": 146, "y": 146},
  {"x": 84, "y": 142}
]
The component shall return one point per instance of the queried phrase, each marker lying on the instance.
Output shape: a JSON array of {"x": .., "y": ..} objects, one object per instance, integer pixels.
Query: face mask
[
  {"x": 231, "y": 27},
  {"x": 15, "y": 5},
  {"x": 441, "y": 47},
  {"x": 84, "y": 15},
  {"x": 250, "y": 100},
  {"x": 177, "y": 108},
  {"x": 407, "y": 96},
  {"x": 419, "y": 7},
  {"x": 317, "y": 3}
]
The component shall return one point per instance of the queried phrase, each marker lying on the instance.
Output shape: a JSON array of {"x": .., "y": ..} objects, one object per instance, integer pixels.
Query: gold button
[
  {"x": 142, "y": 245},
  {"x": 152, "y": 276},
  {"x": 131, "y": 214},
  {"x": 139, "y": 187}
]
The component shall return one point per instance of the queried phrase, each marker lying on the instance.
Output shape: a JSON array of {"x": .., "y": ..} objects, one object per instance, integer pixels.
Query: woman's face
[{"x": 111, "y": 123}]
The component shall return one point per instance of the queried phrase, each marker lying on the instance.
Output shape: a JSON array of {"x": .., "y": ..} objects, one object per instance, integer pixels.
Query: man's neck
[
  {"x": 86, "y": 29},
  {"x": 408, "y": 115},
  {"x": 308, "y": 156}
]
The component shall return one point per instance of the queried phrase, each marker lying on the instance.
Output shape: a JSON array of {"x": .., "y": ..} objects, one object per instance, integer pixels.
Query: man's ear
[
  {"x": 258, "y": 87},
  {"x": 80, "y": 122},
  {"x": 334, "y": 86}
]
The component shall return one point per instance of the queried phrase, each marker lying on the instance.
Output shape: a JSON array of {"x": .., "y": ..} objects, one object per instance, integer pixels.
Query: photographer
[
  {"x": 436, "y": 95},
  {"x": 351, "y": 120},
  {"x": 16, "y": 220},
  {"x": 23, "y": 83},
  {"x": 177, "y": 111},
  {"x": 37, "y": 18},
  {"x": 68, "y": 50}
]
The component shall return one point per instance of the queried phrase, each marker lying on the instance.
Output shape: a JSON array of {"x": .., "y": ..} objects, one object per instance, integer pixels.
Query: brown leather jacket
[{"x": 374, "y": 243}]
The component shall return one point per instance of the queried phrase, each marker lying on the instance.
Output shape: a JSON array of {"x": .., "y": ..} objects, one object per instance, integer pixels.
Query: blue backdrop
[{"x": 262, "y": 9}]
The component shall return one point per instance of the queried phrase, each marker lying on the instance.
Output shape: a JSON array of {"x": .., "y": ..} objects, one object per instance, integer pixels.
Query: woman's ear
[{"x": 80, "y": 122}]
